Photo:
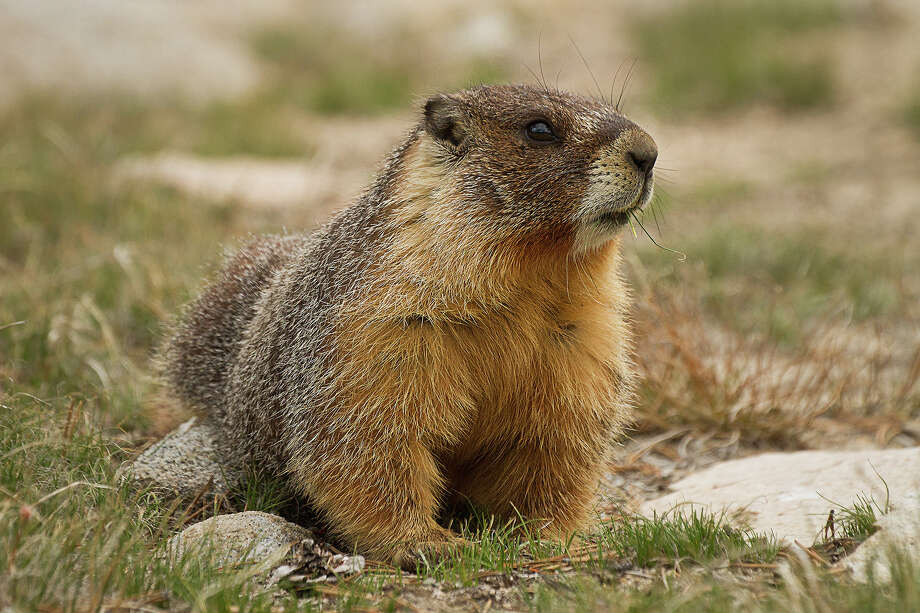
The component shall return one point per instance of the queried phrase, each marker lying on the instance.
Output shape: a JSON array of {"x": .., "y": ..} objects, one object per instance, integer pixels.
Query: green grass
[
  {"x": 858, "y": 521},
  {"x": 714, "y": 55},
  {"x": 721, "y": 192},
  {"x": 91, "y": 269},
  {"x": 777, "y": 284},
  {"x": 685, "y": 538},
  {"x": 629, "y": 541},
  {"x": 258, "y": 491},
  {"x": 72, "y": 538},
  {"x": 911, "y": 113},
  {"x": 316, "y": 75},
  {"x": 332, "y": 73}
]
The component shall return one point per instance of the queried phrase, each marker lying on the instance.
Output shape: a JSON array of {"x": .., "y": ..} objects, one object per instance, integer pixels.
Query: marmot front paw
[{"x": 431, "y": 549}]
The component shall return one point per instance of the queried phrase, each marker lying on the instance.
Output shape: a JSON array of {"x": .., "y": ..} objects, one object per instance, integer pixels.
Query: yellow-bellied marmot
[{"x": 460, "y": 329}]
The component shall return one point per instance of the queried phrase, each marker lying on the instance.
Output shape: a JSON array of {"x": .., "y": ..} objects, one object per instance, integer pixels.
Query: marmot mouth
[
  {"x": 620, "y": 217},
  {"x": 615, "y": 218}
]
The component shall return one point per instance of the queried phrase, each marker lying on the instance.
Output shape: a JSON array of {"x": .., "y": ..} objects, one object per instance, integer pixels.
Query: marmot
[{"x": 459, "y": 330}]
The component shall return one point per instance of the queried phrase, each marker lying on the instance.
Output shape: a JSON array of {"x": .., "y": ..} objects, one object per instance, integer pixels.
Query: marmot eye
[{"x": 540, "y": 131}]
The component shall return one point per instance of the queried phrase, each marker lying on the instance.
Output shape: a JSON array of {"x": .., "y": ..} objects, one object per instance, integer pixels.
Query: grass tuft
[{"x": 681, "y": 538}]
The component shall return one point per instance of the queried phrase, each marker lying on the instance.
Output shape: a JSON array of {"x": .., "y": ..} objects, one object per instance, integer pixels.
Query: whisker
[
  {"x": 534, "y": 75},
  {"x": 590, "y": 72},
  {"x": 540, "y": 59},
  {"x": 615, "y": 76},
  {"x": 625, "y": 83}
]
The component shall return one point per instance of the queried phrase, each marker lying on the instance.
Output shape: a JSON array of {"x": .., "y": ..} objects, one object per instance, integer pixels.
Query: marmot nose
[{"x": 643, "y": 154}]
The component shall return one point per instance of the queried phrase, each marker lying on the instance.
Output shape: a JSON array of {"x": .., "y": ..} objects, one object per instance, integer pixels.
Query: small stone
[{"x": 251, "y": 536}]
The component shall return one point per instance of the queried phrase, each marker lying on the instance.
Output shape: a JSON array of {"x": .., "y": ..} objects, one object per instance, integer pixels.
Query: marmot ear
[{"x": 444, "y": 119}]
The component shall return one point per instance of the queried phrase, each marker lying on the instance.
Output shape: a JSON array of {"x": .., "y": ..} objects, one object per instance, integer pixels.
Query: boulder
[{"x": 790, "y": 494}]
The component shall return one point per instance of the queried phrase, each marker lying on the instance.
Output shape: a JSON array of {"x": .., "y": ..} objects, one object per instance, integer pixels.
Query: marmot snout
[{"x": 460, "y": 330}]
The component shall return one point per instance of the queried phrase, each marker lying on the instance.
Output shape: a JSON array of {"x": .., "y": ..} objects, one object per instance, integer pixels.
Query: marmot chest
[{"x": 534, "y": 370}]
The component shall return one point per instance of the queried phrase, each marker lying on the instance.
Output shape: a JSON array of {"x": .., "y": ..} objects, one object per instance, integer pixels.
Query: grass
[
  {"x": 679, "y": 538},
  {"x": 801, "y": 588},
  {"x": 858, "y": 521},
  {"x": 316, "y": 75},
  {"x": 716, "y": 55},
  {"x": 721, "y": 192},
  {"x": 911, "y": 112},
  {"x": 627, "y": 541},
  {"x": 745, "y": 269},
  {"x": 74, "y": 537},
  {"x": 331, "y": 73}
]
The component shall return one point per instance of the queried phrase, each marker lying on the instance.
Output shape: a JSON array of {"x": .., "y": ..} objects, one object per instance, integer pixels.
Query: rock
[
  {"x": 186, "y": 461},
  {"x": 790, "y": 494},
  {"x": 267, "y": 549},
  {"x": 898, "y": 535},
  {"x": 251, "y": 536}
]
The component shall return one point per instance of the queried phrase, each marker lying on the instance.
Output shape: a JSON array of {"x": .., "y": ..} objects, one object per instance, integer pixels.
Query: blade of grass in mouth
[{"x": 681, "y": 256}]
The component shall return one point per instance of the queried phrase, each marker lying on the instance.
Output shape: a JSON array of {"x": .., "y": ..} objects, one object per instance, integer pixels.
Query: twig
[{"x": 814, "y": 555}]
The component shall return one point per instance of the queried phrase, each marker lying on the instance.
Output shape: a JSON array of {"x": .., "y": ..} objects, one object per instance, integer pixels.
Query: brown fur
[{"x": 459, "y": 331}]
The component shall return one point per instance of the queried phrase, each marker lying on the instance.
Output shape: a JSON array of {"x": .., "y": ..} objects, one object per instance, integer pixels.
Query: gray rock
[
  {"x": 265, "y": 549},
  {"x": 251, "y": 536},
  {"x": 790, "y": 494},
  {"x": 188, "y": 461}
]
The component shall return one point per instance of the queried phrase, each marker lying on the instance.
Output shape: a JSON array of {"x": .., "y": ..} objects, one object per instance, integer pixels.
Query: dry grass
[{"x": 709, "y": 377}]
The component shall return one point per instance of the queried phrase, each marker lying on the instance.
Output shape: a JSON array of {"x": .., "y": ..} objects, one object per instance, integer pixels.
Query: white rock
[
  {"x": 899, "y": 533},
  {"x": 790, "y": 494},
  {"x": 185, "y": 461}
]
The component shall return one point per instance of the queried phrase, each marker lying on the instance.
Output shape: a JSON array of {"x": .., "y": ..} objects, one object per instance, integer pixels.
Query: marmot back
[{"x": 459, "y": 331}]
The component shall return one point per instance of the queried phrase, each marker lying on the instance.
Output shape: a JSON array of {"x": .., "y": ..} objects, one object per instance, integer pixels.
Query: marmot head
[{"x": 538, "y": 164}]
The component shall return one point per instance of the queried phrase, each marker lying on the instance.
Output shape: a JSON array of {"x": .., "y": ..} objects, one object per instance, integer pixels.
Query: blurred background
[{"x": 139, "y": 139}]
